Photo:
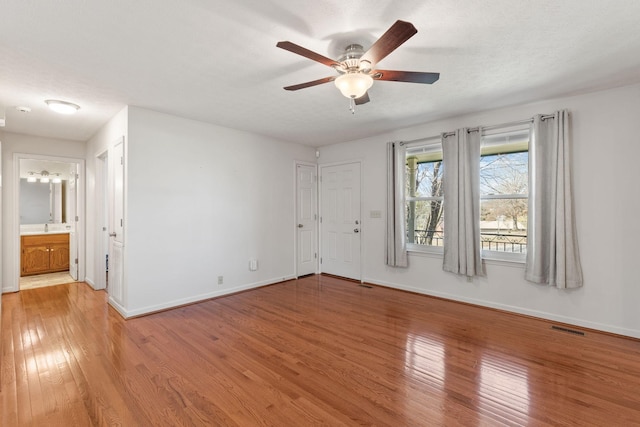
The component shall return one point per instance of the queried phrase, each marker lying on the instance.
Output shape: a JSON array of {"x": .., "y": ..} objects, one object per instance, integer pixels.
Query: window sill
[
  {"x": 490, "y": 257},
  {"x": 414, "y": 249},
  {"x": 504, "y": 257}
]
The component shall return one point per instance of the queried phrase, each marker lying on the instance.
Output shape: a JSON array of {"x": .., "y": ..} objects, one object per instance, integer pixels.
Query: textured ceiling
[{"x": 216, "y": 61}]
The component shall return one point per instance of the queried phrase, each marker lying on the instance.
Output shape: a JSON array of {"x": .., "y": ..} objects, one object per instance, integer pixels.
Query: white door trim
[{"x": 14, "y": 265}]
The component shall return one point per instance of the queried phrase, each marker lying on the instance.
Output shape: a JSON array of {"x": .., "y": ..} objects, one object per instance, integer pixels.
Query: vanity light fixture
[
  {"x": 44, "y": 177},
  {"x": 62, "y": 107}
]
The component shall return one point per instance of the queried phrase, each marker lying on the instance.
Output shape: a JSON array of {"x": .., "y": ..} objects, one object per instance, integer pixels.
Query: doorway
[
  {"x": 48, "y": 228},
  {"x": 340, "y": 221}
]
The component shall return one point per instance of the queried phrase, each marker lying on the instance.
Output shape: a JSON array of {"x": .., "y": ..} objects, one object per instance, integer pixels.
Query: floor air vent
[
  {"x": 365, "y": 286},
  {"x": 571, "y": 331}
]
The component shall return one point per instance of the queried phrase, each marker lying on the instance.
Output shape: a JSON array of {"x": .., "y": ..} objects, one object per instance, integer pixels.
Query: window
[
  {"x": 504, "y": 178},
  {"x": 424, "y": 203}
]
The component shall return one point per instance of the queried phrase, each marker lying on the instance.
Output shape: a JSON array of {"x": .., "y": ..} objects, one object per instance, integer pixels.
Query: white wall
[
  {"x": 201, "y": 201},
  {"x": 606, "y": 149},
  {"x": 15, "y": 143}
]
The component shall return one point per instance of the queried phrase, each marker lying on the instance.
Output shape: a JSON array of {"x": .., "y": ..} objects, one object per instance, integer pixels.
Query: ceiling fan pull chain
[{"x": 352, "y": 105}]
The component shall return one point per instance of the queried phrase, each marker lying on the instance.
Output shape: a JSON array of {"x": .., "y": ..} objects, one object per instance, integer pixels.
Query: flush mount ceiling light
[{"x": 62, "y": 107}]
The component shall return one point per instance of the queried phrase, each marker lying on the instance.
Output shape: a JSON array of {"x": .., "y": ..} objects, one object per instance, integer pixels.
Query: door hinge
[
  {"x": 77, "y": 218},
  {"x": 121, "y": 222},
  {"x": 315, "y": 217},
  {"x": 320, "y": 260},
  {"x": 76, "y": 261},
  {"x": 315, "y": 255},
  {"x": 320, "y": 220},
  {"x": 121, "y": 160},
  {"x": 77, "y": 176}
]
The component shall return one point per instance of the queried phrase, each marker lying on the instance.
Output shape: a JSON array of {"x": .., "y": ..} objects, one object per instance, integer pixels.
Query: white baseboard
[
  {"x": 120, "y": 309},
  {"x": 196, "y": 298},
  {"x": 515, "y": 309}
]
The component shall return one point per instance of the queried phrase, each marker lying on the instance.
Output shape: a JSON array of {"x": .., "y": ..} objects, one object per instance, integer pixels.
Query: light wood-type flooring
[
  {"x": 41, "y": 280},
  {"x": 316, "y": 351}
]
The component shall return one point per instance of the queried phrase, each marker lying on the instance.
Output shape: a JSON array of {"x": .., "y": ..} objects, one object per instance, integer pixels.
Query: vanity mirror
[{"x": 43, "y": 191}]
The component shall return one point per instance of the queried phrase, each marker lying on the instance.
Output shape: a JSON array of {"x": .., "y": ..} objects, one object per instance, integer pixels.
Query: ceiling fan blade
[
  {"x": 405, "y": 76},
  {"x": 363, "y": 99},
  {"x": 399, "y": 33},
  {"x": 309, "y": 84},
  {"x": 292, "y": 47}
]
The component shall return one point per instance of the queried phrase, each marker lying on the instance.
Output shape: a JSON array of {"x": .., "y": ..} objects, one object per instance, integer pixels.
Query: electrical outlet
[{"x": 220, "y": 280}]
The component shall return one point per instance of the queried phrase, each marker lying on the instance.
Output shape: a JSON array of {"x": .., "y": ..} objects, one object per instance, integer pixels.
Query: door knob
[
  {"x": 300, "y": 225},
  {"x": 112, "y": 234},
  {"x": 355, "y": 230}
]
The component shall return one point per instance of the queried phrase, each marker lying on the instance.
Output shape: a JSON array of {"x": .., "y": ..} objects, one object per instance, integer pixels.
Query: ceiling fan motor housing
[{"x": 350, "y": 60}]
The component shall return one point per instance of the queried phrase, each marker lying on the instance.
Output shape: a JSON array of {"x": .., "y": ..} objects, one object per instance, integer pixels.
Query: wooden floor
[{"x": 317, "y": 351}]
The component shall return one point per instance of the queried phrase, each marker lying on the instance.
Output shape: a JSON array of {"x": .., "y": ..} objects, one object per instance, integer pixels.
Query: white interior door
[
  {"x": 102, "y": 220},
  {"x": 306, "y": 219},
  {"x": 116, "y": 224},
  {"x": 72, "y": 216},
  {"x": 340, "y": 220}
]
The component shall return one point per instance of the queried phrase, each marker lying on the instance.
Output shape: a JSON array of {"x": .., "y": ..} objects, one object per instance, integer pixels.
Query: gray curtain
[
  {"x": 461, "y": 182},
  {"x": 396, "y": 241},
  {"x": 552, "y": 254}
]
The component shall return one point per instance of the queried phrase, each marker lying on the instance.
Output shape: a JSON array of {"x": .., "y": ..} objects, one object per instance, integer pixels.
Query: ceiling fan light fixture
[
  {"x": 354, "y": 85},
  {"x": 62, "y": 107}
]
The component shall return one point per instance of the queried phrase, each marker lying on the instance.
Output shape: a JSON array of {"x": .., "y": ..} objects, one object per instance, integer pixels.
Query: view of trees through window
[
  {"x": 504, "y": 204},
  {"x": 503, "y": 194},
  {"x": 425, "y": 201}
]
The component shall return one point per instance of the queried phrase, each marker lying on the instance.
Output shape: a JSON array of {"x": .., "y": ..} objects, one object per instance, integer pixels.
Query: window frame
[
  {"x": 430, "y": 145},
  {"x": 434, "y": 145},
  {"x": 491, "y": 148}
]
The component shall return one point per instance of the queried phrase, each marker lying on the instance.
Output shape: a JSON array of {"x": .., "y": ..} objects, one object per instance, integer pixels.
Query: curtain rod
[{"x": 477, "y": 128}]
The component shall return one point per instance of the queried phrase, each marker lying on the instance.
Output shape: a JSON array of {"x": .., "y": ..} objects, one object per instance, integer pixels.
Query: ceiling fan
[{"x": 355, "y": 67}]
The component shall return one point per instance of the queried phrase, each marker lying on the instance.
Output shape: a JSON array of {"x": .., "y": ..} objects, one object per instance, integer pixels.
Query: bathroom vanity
[{"x": 44, "y": 253}]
